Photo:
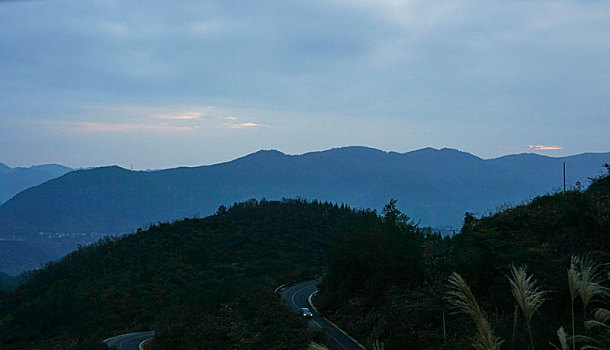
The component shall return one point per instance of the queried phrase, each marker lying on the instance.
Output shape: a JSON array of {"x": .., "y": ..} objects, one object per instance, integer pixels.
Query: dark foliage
[
  {"x": 200, "y": 283},
  {"x": 208, "y": 283},
  {"x": 388, "y": 282}
]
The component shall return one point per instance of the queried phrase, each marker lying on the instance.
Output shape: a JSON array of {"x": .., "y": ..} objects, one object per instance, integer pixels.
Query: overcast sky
[{"x": 158, "y": 84}]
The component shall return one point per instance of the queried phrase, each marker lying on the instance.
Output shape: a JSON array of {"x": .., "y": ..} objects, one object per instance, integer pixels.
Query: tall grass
[
  {"x": 601, "y": 321},
  {"x": 585, "y": 279},
  {"x": 563, "y": 339},
  {"x": 378, "y": 345},
  {"x": 590, "y": 277},
  {"x": 460, "y": 296},
  {"x": 528, "y": 295}
]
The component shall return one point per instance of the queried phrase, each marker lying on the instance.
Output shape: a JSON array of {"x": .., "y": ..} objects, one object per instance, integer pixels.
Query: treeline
[
  {"x": 199, "y": 283},
  {"x": 387, "y": 277}
]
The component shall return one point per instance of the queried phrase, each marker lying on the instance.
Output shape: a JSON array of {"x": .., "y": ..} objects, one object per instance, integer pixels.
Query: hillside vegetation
[
  {"x": 199, "y": 283},
  {"x": 208, "y": 283},
  {"x": 387, "y": 278}
]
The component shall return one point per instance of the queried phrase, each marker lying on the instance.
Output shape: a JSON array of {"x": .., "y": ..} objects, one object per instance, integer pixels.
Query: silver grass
[
  {"x": 528, "y": 295},
  {"x": 602, "y": 315},
  {"x": 595, "y": 323},
  {"x": 378, "y": 345},
  {"x": 460, "y": 296},
  {"x": 563, "y": 339},
  {"x": 584, "y": 279},
  {"x": 594, "y": 344},
  {"x": 590, "y": 277},
  {"x": 601, "y": 321}
]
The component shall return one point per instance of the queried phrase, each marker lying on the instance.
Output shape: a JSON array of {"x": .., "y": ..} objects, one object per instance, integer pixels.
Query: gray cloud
[{"x": 519, "y": 73}]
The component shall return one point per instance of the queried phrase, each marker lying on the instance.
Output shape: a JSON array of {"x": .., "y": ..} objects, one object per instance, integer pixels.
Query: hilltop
[{"x": 199, "y": 283}]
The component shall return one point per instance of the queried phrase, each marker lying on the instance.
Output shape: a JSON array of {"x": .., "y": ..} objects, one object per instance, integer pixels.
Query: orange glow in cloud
[
  {"x": 544, "y": 148},
  {"x": 244, "y": 125}
]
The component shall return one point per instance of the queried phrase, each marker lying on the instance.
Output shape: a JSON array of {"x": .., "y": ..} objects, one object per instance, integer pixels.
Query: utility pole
[{"x": 564, "y": 176}]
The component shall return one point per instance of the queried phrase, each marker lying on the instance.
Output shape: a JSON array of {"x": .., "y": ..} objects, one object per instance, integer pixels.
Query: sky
[{"x": 158, "y": 84}]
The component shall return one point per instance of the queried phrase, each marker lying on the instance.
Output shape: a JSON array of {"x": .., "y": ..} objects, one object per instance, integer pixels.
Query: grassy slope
[{"x": 204, "y": 283}]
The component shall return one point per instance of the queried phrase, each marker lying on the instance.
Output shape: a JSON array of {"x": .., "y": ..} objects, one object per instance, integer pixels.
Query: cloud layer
[{"x": 484, "y": 76}]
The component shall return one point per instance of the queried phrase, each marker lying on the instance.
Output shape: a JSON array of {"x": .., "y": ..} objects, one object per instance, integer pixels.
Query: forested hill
[
  {"x": 200, "y": 283},
  {"x": 434, "y": 186},
  {"x": 208, "y": 283},
  {"x": 398, "y": 293}
]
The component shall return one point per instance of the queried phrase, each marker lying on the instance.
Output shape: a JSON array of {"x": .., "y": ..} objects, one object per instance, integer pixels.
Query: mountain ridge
[
  {"x": 434, "y": 186},
  {"x": 368, "y": 162}
]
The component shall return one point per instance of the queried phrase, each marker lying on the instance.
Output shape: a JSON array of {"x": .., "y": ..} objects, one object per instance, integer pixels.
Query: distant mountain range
[
  {"x": 15, "y": 180},
  {"x": 431, "y": 185}
]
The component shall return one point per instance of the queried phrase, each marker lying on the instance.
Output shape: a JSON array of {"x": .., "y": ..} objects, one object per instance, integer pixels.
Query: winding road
[
  {"x": 130, "y": 341},
  {"x": 298, "y": 296}
]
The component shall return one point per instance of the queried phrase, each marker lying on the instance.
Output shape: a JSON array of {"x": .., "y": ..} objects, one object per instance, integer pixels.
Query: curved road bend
[
  {"x": 297, "y": 297},
  {"x": 130, "y": 341}
]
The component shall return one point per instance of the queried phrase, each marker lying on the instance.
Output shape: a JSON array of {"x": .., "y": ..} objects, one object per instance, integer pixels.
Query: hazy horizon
[{"x": 128, "y": 166}]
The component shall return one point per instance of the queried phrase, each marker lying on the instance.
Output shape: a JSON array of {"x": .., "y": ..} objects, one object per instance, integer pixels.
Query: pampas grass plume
[{"x": 460, "y": 296}]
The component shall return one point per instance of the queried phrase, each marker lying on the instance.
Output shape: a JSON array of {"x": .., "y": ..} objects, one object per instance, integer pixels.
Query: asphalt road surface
[
  {"x": 129, "y": 341},
  {"x": 297, "y": 297}
]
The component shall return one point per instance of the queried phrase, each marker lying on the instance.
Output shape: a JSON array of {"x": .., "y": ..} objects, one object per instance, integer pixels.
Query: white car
[{"x": 306, "y": 313}]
